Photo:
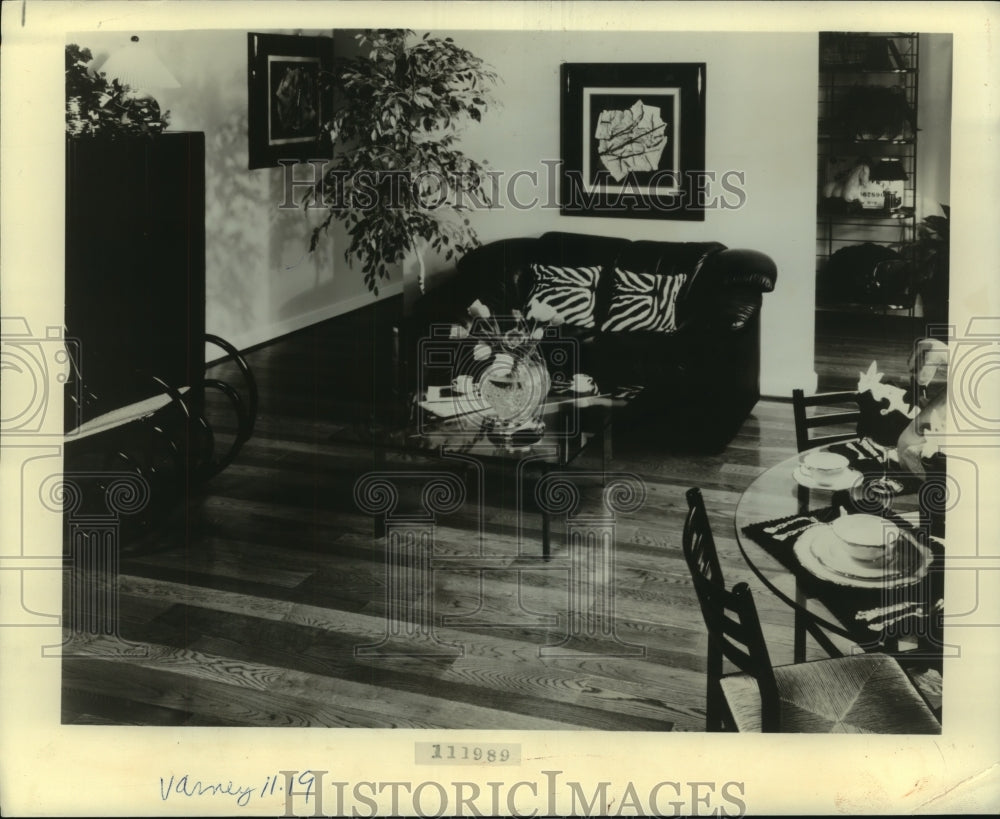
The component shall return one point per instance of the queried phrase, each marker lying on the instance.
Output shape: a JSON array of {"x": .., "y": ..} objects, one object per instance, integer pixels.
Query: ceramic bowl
[
  {"x": 869, "y": 538},
  {"x": 823, "y": 467}
]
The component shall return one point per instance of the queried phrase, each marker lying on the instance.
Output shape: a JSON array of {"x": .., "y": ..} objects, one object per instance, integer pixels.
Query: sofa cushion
[
  {"x": 568, "y": 290},
  {"x": 643, "y": 301}
]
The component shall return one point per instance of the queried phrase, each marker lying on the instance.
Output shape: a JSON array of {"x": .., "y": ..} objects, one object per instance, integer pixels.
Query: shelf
[
  {"x": 843, "y": 69},
  {"x": 861, "y": 141},
  {"x": 868, "y": 84},
  {"x": 865, "y": 217}
]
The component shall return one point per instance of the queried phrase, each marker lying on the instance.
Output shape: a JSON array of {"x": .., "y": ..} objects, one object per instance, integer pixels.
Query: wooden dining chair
[
  {"x": 806, "y": 422},
  {"x": 863, "y": 693}
]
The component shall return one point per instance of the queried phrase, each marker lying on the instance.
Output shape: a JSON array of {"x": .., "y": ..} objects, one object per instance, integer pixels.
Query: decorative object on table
[
  {"x": 633, "y": 139},
  {"x": 883, "y": 477},
  {"x": 699, "y": 382},
  {"x": 885, "y": 410},
  {"x": 885, "y": 413},
  {"x": 101, "y": 106},
  {"x": 396, "y": 174},
  {"x": 287, "y": 98},
  {"x": 510, "y": 371}
]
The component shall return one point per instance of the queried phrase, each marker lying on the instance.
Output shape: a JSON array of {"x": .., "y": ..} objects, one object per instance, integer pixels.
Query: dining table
[{"x": 786, "y": 528}]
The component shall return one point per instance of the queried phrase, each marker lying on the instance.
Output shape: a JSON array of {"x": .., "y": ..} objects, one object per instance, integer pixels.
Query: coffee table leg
[
  {"x": 799, "y": 644},
  {"x": 378, "y": 462}
]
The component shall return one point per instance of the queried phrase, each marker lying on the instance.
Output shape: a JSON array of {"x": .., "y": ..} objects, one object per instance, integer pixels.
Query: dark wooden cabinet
[{"x": 135, "y": 267}]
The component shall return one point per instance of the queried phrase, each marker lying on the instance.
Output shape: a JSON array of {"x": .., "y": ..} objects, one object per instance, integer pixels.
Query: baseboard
[
  {"x": 263, "y": 335},
  {"x": 780, "y": 384}
]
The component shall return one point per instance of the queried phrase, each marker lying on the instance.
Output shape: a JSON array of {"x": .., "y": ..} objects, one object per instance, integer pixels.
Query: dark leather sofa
[{"x": 700, "y": 381}]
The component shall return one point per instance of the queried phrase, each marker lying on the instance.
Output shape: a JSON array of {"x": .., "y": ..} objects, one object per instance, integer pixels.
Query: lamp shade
[{"x": 138, "y": 66}]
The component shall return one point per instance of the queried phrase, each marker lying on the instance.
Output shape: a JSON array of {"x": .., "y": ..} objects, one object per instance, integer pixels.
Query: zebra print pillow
[
  {"x": 568, "y": 290},
  {"x": 642, "y": 301}
]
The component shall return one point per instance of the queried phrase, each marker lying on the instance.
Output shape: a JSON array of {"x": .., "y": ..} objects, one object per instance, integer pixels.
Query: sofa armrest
[{"x": 728, "y": 290}]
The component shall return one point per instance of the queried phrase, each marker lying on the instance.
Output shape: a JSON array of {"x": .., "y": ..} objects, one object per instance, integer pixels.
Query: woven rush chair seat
[{"x": 861, "y": 694}]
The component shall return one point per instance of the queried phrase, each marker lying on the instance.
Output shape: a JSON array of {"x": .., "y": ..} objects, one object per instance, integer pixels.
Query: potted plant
[
  {"x": 928, "y": 256},
  {"x": 397, "y": 179},
  {"x": 100, "y": 107}
]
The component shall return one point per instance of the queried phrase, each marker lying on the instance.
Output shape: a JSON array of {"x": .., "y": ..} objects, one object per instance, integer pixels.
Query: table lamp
[
  {"x": 891, "y": 176},
  {"x": 138, "y": 67}
]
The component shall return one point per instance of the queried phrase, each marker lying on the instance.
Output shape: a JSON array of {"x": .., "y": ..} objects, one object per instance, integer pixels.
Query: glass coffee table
[{"x": 563, "y": 426}]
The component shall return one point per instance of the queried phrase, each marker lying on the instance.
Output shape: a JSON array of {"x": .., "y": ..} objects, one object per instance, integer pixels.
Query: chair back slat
[
  {"x": 806, "y": 422},
  {"x": 730, "y": 616}
]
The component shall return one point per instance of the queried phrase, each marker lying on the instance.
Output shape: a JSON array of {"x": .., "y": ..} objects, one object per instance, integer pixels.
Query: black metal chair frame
[
  {"x": 806, "y": 422},
  {"x": 178, "y": 429},
  {"x": 734, "y": 630}
]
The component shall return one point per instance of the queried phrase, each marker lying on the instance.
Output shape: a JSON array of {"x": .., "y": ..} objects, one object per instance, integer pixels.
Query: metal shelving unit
[{"x": 868, "y": 85}]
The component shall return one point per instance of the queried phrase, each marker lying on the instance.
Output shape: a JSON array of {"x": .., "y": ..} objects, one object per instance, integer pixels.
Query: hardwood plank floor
[{"x": 250, "y": 603}]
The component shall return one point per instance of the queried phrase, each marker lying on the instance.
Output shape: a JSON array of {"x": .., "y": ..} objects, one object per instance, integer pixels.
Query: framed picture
[
  {"x": 633, "y": 140},
  {"x": 286, "y": 99}
]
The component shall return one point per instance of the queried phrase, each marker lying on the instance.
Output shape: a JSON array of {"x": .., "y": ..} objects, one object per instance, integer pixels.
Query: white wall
[
  {"x": 934, "y": 122},
  {"x": 261, "y": 281},
  {"x": 761, "y": 119}
]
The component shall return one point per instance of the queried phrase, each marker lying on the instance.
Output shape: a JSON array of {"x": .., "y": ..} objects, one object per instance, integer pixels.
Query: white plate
[
  {"x": 825, "y": 555},
  {"x": 845, "y": 480}
]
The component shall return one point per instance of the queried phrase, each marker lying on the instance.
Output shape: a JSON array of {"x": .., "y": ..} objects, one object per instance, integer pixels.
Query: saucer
[
  {"x": 845, "y": 480},
  {"x": 825, "y": 555}
]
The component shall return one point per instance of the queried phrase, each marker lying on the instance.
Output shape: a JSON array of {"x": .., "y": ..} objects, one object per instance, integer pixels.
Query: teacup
[
  {"x": 583, "y": 384},
  {"x": 823, "y": 467},
  {"x": 869, "y": 538}
]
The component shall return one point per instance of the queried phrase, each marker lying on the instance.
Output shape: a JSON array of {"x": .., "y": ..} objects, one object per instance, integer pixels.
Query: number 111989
[{"x": 472, "y": 753}]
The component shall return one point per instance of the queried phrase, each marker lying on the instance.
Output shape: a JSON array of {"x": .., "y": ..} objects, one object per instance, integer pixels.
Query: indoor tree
[{"x": 397, "y": 178}]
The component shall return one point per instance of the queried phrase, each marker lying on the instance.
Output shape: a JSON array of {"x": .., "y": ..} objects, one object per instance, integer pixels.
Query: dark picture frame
[
  {"x": 633, "y": 140},
  {"x": 287, "y": 102}
]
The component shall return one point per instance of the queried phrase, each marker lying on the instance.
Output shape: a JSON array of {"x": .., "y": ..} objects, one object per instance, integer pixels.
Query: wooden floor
[
  {"x": 846, "y": 343},
  {"x": 248, "y": 606}
]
